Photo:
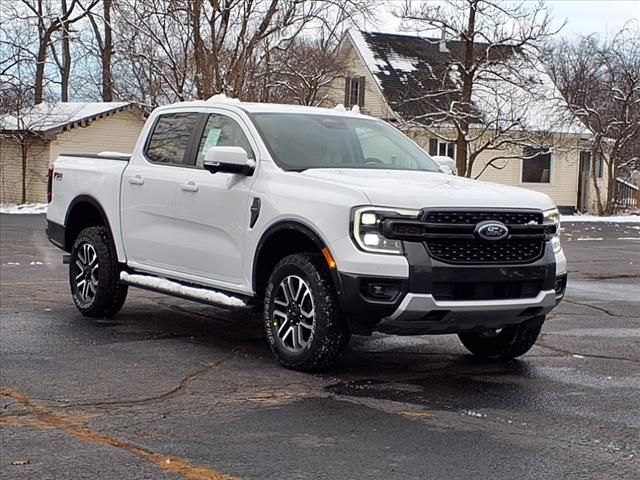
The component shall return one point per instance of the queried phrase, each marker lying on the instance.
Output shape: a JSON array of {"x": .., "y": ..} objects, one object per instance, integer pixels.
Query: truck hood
[{"x": 413, "y": 189}]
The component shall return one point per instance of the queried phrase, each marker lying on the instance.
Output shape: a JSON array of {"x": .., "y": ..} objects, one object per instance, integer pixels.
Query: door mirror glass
[
  {"x": 447, "y": 165},
  {"x": 228, "y": 160}
]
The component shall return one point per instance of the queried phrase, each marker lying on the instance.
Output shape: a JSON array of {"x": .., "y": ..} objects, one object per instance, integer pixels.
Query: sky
[{"x": 583, "y": 16}]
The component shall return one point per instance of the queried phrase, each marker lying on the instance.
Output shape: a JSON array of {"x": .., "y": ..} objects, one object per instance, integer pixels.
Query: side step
[{"x": 188, "y": 292}]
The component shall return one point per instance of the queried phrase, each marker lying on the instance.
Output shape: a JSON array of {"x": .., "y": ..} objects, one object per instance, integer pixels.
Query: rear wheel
[
  {"x": 505, "y": 343},
  {"x": 94, "y": 274},
  {"x": 301, "y": 315}
]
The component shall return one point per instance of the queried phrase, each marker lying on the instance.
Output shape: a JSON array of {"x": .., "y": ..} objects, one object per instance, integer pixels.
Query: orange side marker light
[{"x": 329, "y": 258}]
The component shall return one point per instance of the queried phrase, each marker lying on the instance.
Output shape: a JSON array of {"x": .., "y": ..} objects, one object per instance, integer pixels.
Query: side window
[
  {"x": 222, "y": 131},
  {"x": 170, "y": 138},
  {"x": 536, "y": 165}
]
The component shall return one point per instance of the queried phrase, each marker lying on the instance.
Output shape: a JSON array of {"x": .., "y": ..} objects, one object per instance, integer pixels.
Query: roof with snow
[
  {"x": 420, "y": 80},
  {"x": 46, "y": 117}
]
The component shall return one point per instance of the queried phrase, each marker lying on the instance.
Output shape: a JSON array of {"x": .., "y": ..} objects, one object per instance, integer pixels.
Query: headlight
[
  {"x": 553, "y": 216},
  {"x": 367, "y": 232}
]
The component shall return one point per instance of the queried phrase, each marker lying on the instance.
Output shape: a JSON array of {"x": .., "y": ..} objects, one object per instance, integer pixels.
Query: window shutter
[
  {"x": 433, "y": 146},
  {"x": 347, "y": 89},
  {"x": 361, "y": 93}
]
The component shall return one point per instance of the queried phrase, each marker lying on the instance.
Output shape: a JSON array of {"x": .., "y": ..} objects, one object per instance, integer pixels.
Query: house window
[
  {"x": 442, "y": 148},
  {"x": 354, "y": 92},
  {"x": 536, "y": 165}
]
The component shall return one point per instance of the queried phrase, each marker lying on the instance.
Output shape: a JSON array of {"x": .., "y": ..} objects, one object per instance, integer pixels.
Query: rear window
[{"x": 170, "y": 138}]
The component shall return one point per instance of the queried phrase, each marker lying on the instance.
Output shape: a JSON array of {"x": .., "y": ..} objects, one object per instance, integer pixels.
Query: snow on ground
[
  {"x": 25, "y": 208},
  {"x": 174, "y": 287},
  {"x": 594, "y": 218}
]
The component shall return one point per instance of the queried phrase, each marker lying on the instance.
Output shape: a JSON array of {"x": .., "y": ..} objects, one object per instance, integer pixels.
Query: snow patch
[
  {"x": 471, "y": 413},
  {"x": 174, "y": 287},
  {"x": 595, "y": 218},
  {"x": 25, "y": 208},
  {"x": 114, "y": 154},
  {"x": 222, "y": 98}
]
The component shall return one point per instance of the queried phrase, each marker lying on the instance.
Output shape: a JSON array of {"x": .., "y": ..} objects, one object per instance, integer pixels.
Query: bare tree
[
  {"x": 490, "y": 79},
  {"x": 50, "y": 20},
  {"x": 300, "y": 71},
  {"x": 601, "y": 81},
  {"x": 104, "y": 43}
]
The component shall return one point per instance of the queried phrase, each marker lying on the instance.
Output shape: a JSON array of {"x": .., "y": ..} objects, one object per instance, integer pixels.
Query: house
[
  {"x": 31, "y": 140},
  {"x": 522, "y": 137}
]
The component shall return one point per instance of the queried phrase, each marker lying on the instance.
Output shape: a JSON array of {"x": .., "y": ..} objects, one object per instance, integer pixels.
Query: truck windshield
[{"x": 301, "y": 141}]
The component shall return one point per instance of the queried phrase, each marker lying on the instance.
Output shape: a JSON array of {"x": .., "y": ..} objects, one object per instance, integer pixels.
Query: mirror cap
[
  {"x": 228, "y": 160},
  {"x": 447, "y": 164}
]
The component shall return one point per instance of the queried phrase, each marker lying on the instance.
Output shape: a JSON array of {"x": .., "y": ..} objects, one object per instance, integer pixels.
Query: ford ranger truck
[{"x": 330, "y": 222}]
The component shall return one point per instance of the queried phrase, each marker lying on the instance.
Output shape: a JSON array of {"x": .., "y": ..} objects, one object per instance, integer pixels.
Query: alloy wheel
[
  {"x": 294, "y": 313},
  {"x": 87, "y": 277}
]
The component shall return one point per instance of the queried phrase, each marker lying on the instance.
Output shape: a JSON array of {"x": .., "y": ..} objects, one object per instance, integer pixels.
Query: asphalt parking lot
[{"x": 175, "y": 390}]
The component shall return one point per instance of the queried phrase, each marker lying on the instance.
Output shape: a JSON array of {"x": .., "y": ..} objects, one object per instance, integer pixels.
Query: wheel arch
[
  {"x": 84, "y": 211},
  {"x": 284, "y": 238}
]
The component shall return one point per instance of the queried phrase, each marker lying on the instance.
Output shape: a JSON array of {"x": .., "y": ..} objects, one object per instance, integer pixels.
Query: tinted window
[
  {"x": 222, "y": 131},
  {"x": 170, "y": 138},
  {"x": 302, "y": 141},
  {"x": 536, "y": 165}
]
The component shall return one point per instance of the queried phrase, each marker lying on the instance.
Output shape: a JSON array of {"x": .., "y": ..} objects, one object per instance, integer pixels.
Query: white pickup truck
[{"x": 331, "y": 222}]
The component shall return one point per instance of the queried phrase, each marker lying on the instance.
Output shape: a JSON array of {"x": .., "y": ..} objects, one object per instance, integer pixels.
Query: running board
[{"x": 197, "y": 294}]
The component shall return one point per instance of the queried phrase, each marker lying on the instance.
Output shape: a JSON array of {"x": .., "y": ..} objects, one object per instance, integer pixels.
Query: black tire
[
  {"x": 329, "y": 335},
  {"x": 508, "y": 343},
  {"x": 102, "y": 295}
]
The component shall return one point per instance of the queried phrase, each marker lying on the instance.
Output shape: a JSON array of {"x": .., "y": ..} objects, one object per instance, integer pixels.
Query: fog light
[{"x": 371, "y": 239}]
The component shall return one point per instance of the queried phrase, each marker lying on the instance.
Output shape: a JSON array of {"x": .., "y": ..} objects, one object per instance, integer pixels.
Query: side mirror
[
  {"x": 447, "y": 164},
  {"x": 228, "y": 160}
]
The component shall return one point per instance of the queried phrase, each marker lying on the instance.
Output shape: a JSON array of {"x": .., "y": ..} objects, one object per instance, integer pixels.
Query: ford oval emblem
[{"x": 491, "y": 230}]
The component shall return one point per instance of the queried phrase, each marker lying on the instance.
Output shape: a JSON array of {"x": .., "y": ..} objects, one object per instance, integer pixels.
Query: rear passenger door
[
  {"x": 212, "y": 210},
  {"x": 149, "y": 187}
]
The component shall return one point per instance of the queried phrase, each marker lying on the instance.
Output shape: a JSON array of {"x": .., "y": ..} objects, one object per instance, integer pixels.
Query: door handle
[
  {"x": 136, "y": 180},
  {"x": 189, "y": 187}
]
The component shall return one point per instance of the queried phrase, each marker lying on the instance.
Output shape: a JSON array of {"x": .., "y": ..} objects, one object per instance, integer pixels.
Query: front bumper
[
  {"x": 439, "y": 298},
  {"x": 421, "y": 314}
]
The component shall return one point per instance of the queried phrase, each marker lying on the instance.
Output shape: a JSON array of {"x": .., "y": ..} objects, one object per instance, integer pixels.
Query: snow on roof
[
  {"x": 46, "y": 116},
  {"x": 407, "y": 66}
]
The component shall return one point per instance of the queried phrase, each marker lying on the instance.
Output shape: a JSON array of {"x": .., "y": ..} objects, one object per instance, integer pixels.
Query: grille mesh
[
  {"x": 509, "y": 218},
  {"x": 475, "y": 251}
]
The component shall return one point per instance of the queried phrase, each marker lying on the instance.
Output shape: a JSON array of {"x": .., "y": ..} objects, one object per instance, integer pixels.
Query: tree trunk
[
  {"x": 39, "y": 80},
  {"x": 462, "y": 146},
  {"x": 105, "y": 54},
  {"x": 595, "y": 152},
  {"x": 24, "y": 150}
]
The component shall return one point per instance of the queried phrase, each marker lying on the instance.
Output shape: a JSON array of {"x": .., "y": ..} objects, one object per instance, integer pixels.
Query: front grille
[
  {"x": 473, "y": 217},
  {"x": 519, "y": 247},
  {"x": 478, "y": 251},
  {"x": 461, "y": 291}
]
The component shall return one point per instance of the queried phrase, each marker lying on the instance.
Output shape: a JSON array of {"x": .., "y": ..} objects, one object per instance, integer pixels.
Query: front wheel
[
  {"x": 505, "y": 343},
  {"x": 301, "y": 315},
  {"x": 94, "y": 274}
]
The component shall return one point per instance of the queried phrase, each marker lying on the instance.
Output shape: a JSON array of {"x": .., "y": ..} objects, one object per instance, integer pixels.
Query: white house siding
[
  {"x": 115, "y": 133},
  {"x": 374, "y": 103},
  {"x": 11, "y": 170}
]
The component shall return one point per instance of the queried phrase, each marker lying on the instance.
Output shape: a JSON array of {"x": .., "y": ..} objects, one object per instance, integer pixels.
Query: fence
[{"x": 626, "y": 195}]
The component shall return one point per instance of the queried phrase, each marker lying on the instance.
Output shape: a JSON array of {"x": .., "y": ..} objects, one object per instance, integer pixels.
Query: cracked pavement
[{"x": 170, "y": 389}]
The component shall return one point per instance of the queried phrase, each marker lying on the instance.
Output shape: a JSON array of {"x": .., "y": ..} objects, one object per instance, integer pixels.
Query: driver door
[{"x": 212, "y": 210}]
